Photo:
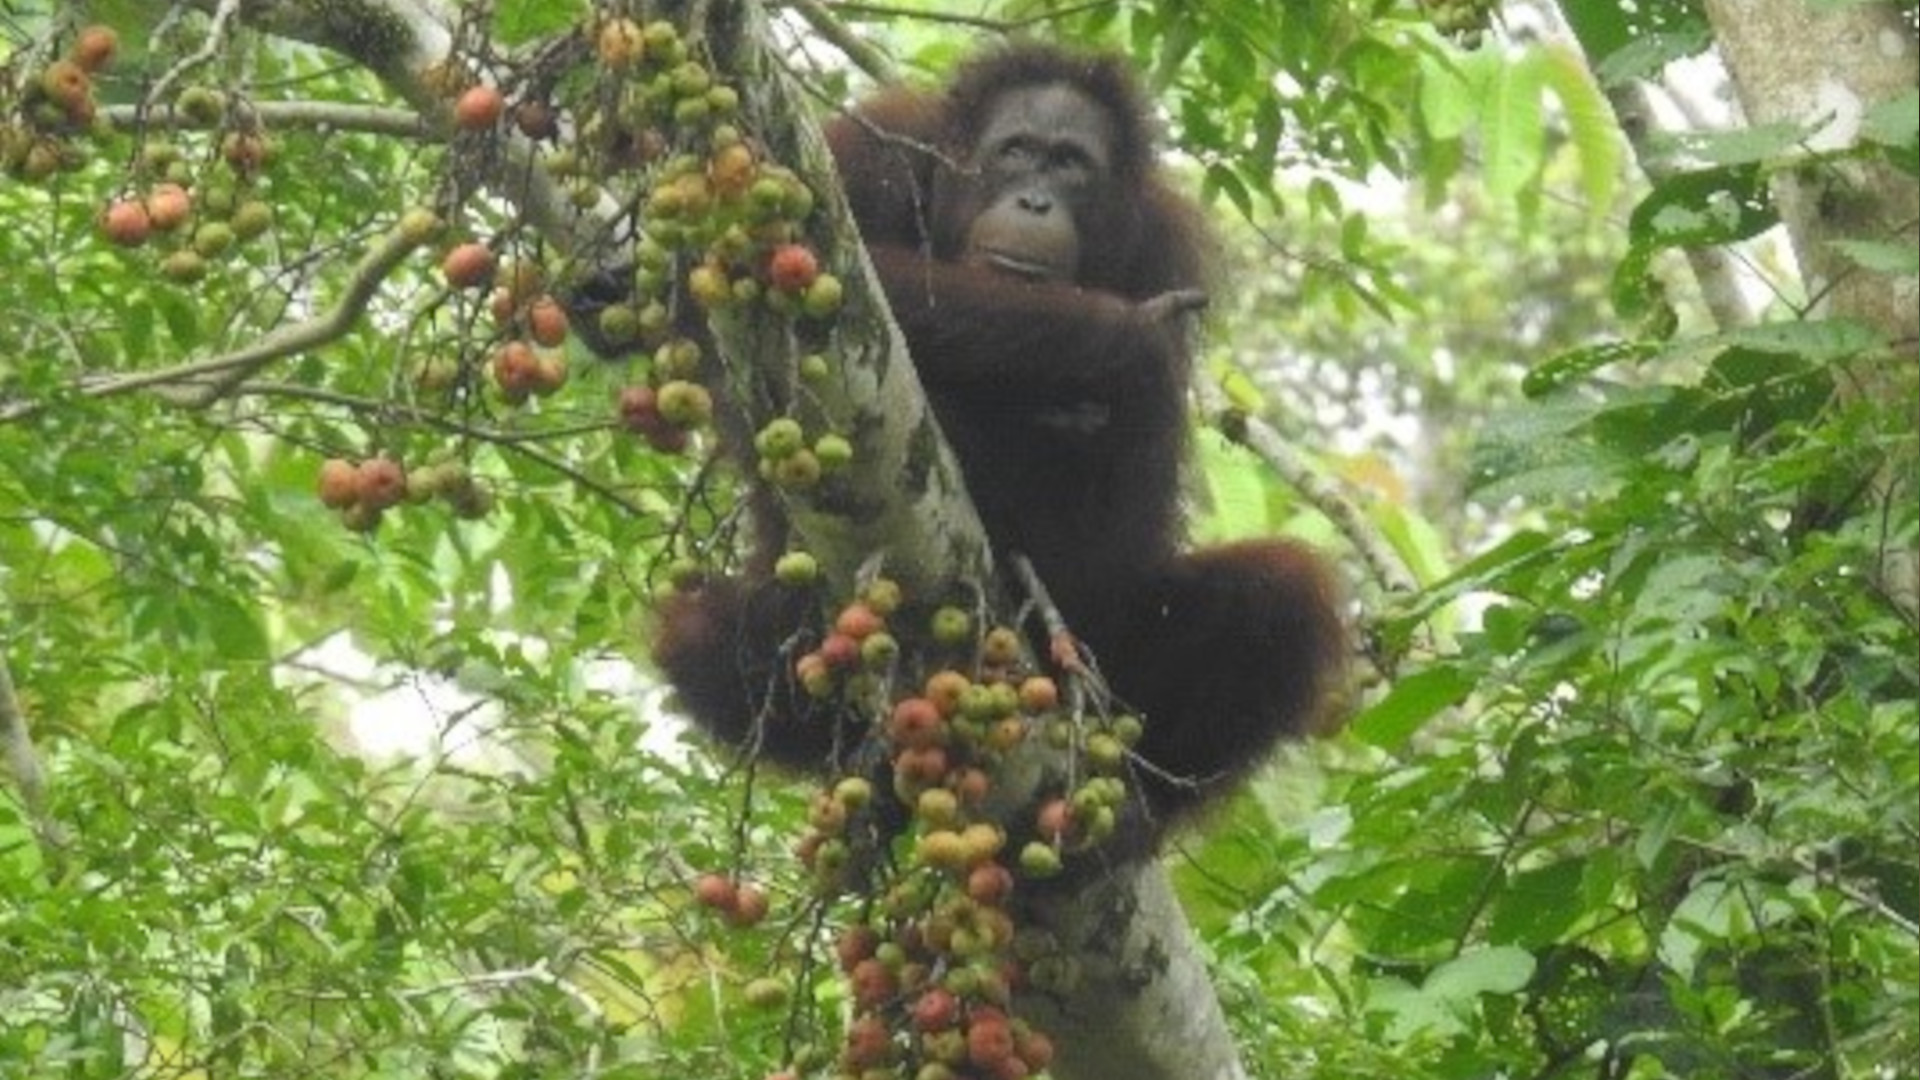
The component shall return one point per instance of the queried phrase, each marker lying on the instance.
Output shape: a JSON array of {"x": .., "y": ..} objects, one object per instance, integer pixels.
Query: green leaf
[
  {"x": 1450, "y": 89},
  {"x": 1536, "y": 906},
  {"x": 1502, "y": 969},
  {"x": 1513, "y": 134},
  {"x": 1590, "y": 127},
  {"x": 1899, "y": 260},
  {"x": 1414, "y": 700},
  {"x": 1560, "y": 371}
]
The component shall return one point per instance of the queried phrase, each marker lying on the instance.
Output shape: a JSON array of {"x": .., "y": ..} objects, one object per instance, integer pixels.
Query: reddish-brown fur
[{"x": 1065, "y": 404}]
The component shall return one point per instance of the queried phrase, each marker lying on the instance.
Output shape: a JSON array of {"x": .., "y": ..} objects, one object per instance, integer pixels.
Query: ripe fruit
[
  {"x": 339, "y": 483},
  {"x": 516, "y": 370},
  {"x": 621, "y": 43},
  {"x": 126, "y": 222},
  {"x": 792, "y": 268},
  {"x": 479, "y": 108},
  {"x": 381, "y": 483},
  {"x": 857, "y": 620},
  {"x": 715, "y": 891},
  {"x": 731, "y": 170},
  {"x": 66, "y": 84},
  {"x": 245, "y": 151},
  {"x": 168, "y": 206},
  {"x": 750, "y": 906},
  {"x": 549, "y": 374},
  {"x": 935, "y": 1010},
  {"x": 1000, "y": 647},
  {"x": 536, "y": 120},
  {"x": 94, "y": 46},
  {"x": 547, "y": 322},
  {"x": 468, "y": 265},
  {"x": 1039, "y": 694},
  {"x": 639, "y": 408}
]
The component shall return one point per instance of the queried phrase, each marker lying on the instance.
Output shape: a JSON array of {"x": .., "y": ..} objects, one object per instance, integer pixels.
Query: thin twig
[{"x": 215, "y": 376}]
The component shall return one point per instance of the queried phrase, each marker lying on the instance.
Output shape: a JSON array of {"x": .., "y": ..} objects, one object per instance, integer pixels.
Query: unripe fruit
[
  {"x": 183, "y": 267},
  {"x": 468, "y": 266},
  {"x": 798, "y": 472},
  {"x": 339, "y": 483},
  {"x": 419, "y": 225},
  {"x": 709, "y": 286},
  {"x": 685, "y": 404},
  {"x": 1038, "y": 860},
  {"x": 796, "y": 568},
  {"x": 1105, "y": 753},
  {"x": 359, "y": 517},
  {"x": 879, "y": 650},
  {"x": 252, "y": 218},
  {"x": 853, "y": 792},
  {"x": 782, "y": 437},
  {"x": 952, "y": 626},
  {"x": 126, "y": 222},
  {"x": 479, "y": 108},
  {"x": 213, "y": 238},
  {"x": 619, "y": 324},
  {"x": 766, "y": 992},
  {"x": 834, "y": 451},
  {"x": 823, "y": 297},
  {"x": 201, "y": 104}
]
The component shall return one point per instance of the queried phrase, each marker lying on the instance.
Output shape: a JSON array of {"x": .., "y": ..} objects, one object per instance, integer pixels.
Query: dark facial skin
[{"x": 1041, "y": 162}]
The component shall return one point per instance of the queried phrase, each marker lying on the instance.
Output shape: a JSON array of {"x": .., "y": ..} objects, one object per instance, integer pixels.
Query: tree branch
[{"x": 337, "y": 115}]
